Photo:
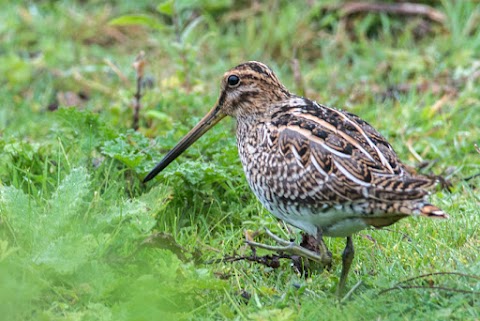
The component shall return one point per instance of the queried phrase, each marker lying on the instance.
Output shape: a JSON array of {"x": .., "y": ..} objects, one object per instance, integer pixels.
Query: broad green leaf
[
  {"x": 19, "y": 212},
  {"x": 128, "y": 148},
  {"x": 67, "y": 253},
  {"x": 69, "y": 196}
]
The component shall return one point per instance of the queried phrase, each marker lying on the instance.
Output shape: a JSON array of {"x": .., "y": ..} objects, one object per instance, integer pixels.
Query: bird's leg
[
  {"x": 325, "y": 254},
  {"x": 347, "y": 258},
  {"x": 291, "y": 248}
]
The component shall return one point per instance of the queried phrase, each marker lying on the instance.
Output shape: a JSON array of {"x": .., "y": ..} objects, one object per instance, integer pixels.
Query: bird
[{"x": 323, "y": 170}]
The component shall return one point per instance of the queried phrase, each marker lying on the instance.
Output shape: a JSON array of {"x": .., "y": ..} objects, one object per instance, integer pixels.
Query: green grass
[{"x": 82, "y": 239}]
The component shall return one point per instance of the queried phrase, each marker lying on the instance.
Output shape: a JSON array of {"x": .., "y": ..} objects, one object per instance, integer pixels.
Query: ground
[{"x": 81, "y": 238}]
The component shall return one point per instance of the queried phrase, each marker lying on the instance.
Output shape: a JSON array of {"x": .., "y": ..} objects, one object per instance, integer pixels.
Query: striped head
[{"x": 247, "y": 91}]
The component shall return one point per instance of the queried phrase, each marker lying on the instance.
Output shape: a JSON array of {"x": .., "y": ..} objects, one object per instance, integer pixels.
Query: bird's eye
[{"x": 233, "y": 80}]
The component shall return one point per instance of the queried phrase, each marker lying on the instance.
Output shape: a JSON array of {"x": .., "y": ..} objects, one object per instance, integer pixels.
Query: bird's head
[{"x": 247, "y": 92}]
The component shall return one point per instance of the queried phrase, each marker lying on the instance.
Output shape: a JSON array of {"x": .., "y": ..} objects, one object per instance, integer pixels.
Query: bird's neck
[{"x": 263, "y": 112}]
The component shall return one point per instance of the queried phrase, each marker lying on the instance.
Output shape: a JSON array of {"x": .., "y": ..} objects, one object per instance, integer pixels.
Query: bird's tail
[{"x": 432, "y": 211}]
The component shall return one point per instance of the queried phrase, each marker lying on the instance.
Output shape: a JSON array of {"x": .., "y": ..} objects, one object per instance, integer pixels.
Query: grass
[{"x": 82, "y": 239}]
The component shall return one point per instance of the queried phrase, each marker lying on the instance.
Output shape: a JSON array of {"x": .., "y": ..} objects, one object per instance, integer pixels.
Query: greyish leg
[
  {"x": 347, "y": 258},
  {"x": 325, "y": 254},
  {"x": 290, "y": 247}
]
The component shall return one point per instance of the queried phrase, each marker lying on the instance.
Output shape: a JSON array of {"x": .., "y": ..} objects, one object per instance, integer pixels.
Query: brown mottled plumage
[{"x": 323, "y": 170}]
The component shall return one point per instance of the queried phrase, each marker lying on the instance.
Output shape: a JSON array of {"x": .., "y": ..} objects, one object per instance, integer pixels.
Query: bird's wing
[{"x": 333, "y": 157}]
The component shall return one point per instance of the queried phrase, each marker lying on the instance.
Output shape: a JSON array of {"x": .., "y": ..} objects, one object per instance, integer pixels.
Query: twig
[
  {"x": 442, "y": 288},
  {"x": 117, "y": 71},
  {"x": 89, "y": 83},
  {"x": 437, "y": 106},
  {"x": 413, "y": 152},
  {"x": 399, "y": 285},
  {"x": 439, "y": 273},
  {"x": 405, "y": 8},
  {"x": 139, "y": 66},
  {"x": 466, "y": 179},
  {"x": 272, "y": 261}
]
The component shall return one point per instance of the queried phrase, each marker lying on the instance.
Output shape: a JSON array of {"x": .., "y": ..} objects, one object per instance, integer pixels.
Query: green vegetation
[{"x": 82, "y": 239}]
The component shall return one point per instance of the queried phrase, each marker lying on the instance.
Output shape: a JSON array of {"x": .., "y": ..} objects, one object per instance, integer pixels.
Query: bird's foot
[{"x": 322, "y": 257}]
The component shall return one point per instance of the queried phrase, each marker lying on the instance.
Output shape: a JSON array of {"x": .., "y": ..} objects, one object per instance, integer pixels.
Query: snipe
[{"x": 320, "y": 169}]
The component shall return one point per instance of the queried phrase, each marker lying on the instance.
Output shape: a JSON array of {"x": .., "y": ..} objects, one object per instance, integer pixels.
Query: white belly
[{"x": 333, "y": 222}]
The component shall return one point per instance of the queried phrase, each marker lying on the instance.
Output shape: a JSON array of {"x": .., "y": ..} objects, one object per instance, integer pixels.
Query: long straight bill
[{"x": 207, "y": 122}]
